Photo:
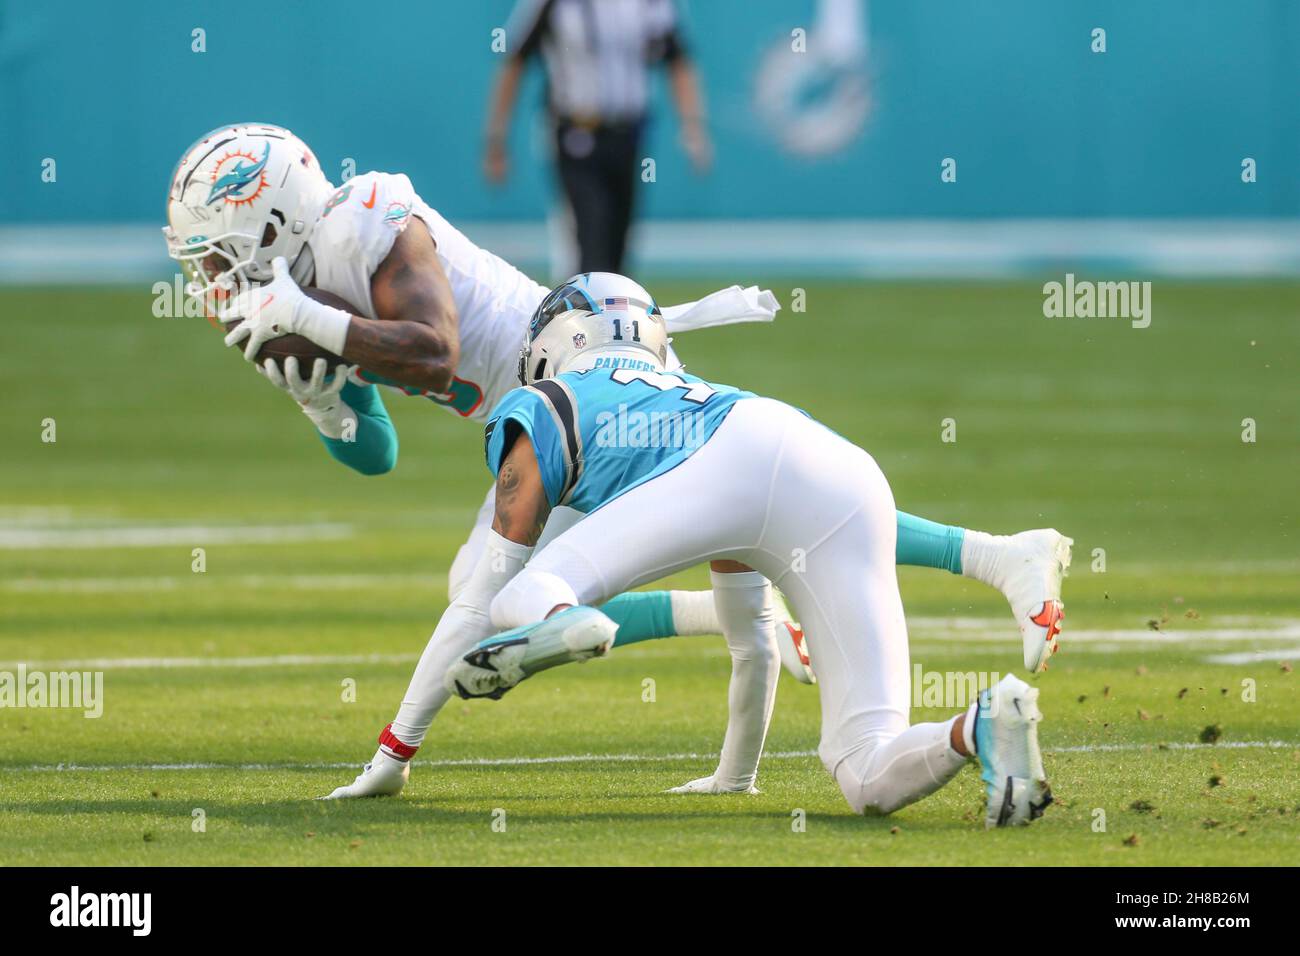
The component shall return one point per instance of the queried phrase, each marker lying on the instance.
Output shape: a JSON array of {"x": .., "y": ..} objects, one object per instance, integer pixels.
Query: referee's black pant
[{"x": 598, "y": 167}]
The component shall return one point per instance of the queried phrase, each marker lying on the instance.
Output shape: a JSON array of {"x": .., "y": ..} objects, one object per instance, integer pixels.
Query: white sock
[
  {"x": 981, "y": 554},
  {"x": 694, "y": 613},
  {"x": 744, "y": 609}
]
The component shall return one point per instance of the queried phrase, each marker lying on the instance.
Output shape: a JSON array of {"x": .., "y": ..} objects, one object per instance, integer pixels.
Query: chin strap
[{"x": 303, "y": 270}]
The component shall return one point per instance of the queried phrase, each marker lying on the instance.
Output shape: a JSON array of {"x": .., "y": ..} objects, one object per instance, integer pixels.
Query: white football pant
[{"x": 812, "y": 512}]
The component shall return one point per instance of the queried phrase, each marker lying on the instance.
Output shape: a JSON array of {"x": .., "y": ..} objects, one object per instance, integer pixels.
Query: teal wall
[{"x": 1039, "y": 125}]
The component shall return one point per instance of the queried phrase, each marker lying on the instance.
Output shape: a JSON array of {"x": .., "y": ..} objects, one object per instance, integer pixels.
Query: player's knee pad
[
  {"x": 867, "y": 793},
  {"x": 890, "y": 771},
  {"x": 872, "y": 799},
  {"x": 529, "y": 598}
]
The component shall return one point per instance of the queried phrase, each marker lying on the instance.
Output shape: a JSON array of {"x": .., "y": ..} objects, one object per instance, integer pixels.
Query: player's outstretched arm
[
  {"x": 467, "y": 621},
  {"x": 416, "y": 339},
  {"x": 463, "y": 624},
  {"x": 371, "y": 448}
]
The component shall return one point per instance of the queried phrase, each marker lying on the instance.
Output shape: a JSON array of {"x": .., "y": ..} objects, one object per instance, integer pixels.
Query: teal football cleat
[
  {"x": 1006, "y": 741},
  {"x": 499, "y": 663}
]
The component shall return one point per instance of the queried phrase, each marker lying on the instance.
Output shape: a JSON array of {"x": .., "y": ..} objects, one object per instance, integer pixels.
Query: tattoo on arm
[
  {"x": 521, "y": 505},
  {"x": 415, "y": 339}
]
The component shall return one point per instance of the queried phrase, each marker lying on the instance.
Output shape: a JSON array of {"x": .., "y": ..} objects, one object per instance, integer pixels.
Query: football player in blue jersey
[{"x": 671, "y": 471}]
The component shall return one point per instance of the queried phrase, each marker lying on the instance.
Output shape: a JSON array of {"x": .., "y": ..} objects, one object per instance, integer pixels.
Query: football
[{"x": 303, "y": 348}]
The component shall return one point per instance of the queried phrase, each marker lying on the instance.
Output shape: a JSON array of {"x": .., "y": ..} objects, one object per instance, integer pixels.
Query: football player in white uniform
[{"x": 252, "y": 219}]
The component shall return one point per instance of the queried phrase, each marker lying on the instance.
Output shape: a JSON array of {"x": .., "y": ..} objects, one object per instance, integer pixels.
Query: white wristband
[{"x": 323, "y": 324}]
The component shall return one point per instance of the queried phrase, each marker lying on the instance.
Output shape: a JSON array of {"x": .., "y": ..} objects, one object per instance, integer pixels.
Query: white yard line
[
  {"x": 153, "y": 536},
  {"x": 1245, "y": 567},
  {"x": 604, "y": 758},
  {"x": 1254, "y": 657},
  {"x": 921, "y": 649},
  {"x": 285, "y": 582},
  {"x": 959, "y": 630},
  {"x": 167, "y": 663}
]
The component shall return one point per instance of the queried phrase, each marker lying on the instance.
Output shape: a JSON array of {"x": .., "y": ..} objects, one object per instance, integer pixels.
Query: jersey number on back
[{"x": 697, "y": 392}]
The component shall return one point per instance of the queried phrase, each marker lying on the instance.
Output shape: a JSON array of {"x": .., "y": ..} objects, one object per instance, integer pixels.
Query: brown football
[{"x": 304, "y": 349}]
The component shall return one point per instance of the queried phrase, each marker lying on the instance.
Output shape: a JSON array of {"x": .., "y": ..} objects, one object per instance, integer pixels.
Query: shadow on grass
[{"x": 417, "y": 815}]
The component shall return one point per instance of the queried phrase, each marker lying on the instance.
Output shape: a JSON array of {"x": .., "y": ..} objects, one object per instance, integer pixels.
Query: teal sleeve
[
  {"x": 640, "y": 616},
  {"x": 374, "y": 450},
  {"x": 928, "y": 544}
]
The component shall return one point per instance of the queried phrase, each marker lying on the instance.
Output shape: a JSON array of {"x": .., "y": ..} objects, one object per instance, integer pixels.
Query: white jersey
[{"x": 494, "y": 299}]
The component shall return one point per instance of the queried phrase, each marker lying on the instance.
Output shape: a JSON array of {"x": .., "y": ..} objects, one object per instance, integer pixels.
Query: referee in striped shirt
[{"x": 598, "y": 55}]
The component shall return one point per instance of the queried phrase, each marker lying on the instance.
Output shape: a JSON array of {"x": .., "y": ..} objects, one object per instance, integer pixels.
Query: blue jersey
[{"x": 600, "y": 433}]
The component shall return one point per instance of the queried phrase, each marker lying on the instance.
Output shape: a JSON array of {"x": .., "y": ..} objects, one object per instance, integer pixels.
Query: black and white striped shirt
[{"x": 597, "y": 52}]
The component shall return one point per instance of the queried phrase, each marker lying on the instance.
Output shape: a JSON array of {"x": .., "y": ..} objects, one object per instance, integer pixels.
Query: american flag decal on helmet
[{"x": 617, "y": 303}]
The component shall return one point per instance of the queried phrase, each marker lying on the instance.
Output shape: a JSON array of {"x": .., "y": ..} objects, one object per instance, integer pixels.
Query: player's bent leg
[
  {"x": 889, "y": 772},
  {"x": 622, "y": 545},
  {"x": 652, "y": 615},
  {"x": 644, "y": 616},
  {"x": 1027, "y": 568},
  {"x": 847, "y": 591},
  {"x": 497, "y": 664},
  {"x": 748, "y": 617}
]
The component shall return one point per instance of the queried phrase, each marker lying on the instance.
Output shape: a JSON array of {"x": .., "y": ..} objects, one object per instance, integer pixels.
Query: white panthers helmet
[
  {"x": 593, "y": 318},
  {"x": 241, "y": 196}
]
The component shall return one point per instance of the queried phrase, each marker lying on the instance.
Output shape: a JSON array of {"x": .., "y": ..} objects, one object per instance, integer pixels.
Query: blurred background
[{"x": 827, "y": 159}]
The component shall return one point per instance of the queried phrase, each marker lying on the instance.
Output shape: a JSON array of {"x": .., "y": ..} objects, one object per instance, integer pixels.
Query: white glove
[
  {"x": 709, "y": 784},
  {"x": 280, "y": 308},
  {"x": 384, "y": 776},
  {"x": 319, "y": 399}
]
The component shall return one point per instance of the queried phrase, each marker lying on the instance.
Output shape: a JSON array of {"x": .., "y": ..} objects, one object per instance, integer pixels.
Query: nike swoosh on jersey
[{"x": 370, "y": 203}]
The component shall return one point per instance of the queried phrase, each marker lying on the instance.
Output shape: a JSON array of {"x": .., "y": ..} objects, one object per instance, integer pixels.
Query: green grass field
[{"x": 1128, "y": 440}]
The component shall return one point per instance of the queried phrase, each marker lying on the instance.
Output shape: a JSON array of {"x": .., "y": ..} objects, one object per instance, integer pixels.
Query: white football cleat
[
  {"x": 499, "y": 663},
  {"x": 791, "y": 643},
  {"x": 1029, "y": 570},
  {"x": 384, "y": 776},
  {"x": 1006, "y": 742},
  {"x": 709, "y": 784}
]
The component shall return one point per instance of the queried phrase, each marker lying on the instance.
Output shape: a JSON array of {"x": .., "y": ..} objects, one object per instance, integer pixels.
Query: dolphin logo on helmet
[{"x": 239, "y": 178}]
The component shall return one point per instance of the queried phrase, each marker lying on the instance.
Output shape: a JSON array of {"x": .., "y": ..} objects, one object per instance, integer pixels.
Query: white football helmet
[
  {"x": 241, "y": 196},
  {"x": 593, "y": 317}
]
